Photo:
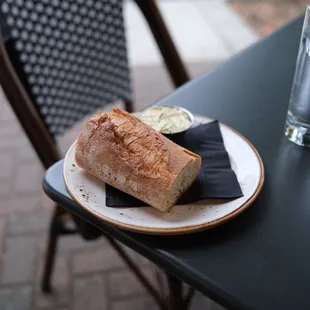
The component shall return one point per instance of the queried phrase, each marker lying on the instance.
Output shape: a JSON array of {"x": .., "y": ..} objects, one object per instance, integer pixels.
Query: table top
[{"x": 261, "y": 259}]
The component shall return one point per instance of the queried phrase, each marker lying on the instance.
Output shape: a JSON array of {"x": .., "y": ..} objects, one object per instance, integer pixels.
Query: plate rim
[{"x": 177, "y": 230}]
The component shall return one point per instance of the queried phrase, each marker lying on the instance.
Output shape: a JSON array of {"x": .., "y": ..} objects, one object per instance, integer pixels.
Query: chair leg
[
  {"x": 137, "y": 272},
  {"x": 55, "y": 228},
  {"x": 174, "y": 64},
  {"x": 189, "y": 297},
  {"x": 129, "y": 106},
  {"x": 175, "y": 299}
]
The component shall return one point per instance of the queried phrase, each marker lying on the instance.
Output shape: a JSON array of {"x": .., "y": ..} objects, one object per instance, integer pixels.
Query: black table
[{"x": 261, "y": 259}]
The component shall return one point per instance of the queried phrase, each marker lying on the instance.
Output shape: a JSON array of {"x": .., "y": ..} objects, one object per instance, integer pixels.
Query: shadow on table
[{"x": 242, "y": 224}]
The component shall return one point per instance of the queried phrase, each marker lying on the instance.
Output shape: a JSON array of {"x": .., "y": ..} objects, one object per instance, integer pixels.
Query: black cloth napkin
[{"x": 216, "y": 179}]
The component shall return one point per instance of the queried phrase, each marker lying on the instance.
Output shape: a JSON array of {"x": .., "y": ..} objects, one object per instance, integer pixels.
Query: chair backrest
[
  {"x": 26, "y": 112},
  {"x": 70, "y": 56}
]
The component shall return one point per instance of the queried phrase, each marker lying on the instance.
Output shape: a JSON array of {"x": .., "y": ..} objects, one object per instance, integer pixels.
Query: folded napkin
[{"x": 216, "y": 179}]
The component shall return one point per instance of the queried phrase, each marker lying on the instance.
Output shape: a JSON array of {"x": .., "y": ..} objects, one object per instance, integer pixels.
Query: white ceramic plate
[{"x": 89, "y": 193}]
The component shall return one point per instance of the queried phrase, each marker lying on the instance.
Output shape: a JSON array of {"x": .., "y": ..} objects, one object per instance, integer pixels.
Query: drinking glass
[{"x": 298, "y": 116}]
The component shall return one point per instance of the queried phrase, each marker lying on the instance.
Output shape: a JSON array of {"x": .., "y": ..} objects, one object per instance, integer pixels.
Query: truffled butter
[{"x": 165, "y": 119}]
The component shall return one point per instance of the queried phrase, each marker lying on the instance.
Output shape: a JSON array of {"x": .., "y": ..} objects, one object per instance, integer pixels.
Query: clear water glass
[{"x": 298, "y": 116}]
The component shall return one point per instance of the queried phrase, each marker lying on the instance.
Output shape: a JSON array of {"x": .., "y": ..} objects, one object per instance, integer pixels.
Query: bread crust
[{"x": 120, "y": 150}]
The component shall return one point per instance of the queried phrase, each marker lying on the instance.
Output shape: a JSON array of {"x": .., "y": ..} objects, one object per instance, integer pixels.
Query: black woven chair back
[{"x": 70, "y": 55}]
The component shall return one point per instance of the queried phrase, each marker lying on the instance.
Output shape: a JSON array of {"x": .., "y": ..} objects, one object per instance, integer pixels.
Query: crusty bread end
[{"x": 120, "y": 150}]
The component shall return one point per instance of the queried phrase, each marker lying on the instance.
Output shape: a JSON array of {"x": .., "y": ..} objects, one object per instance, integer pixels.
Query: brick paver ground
[{"x": 88, "y": 275}]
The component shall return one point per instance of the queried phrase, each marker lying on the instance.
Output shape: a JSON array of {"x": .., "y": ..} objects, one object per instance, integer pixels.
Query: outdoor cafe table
[{"x": 260, "y": 259}]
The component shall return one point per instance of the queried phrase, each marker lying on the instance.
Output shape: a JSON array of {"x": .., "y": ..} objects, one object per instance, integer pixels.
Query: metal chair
[{"x": 61, "y": 60}]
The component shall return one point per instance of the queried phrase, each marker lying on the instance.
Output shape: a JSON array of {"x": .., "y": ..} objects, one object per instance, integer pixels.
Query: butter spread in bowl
[{"x": 167, "y": 119}]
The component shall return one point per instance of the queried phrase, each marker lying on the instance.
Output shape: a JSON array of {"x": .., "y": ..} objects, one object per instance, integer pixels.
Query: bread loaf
[{"x": 120, "y": 150}]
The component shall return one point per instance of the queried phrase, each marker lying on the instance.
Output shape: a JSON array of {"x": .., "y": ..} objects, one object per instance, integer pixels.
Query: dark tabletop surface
[{"x": 261, "y": 259}]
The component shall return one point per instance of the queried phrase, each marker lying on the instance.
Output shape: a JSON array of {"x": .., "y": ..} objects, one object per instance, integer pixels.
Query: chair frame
[{"x": 48, "y": 152}]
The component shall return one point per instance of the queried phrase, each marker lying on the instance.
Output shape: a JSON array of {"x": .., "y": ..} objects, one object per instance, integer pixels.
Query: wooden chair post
[{"x": 173, "y": 61}]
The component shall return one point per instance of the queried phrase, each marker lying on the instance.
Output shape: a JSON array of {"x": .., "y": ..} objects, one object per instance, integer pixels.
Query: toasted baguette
[{"x": 120, "y": 150}]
